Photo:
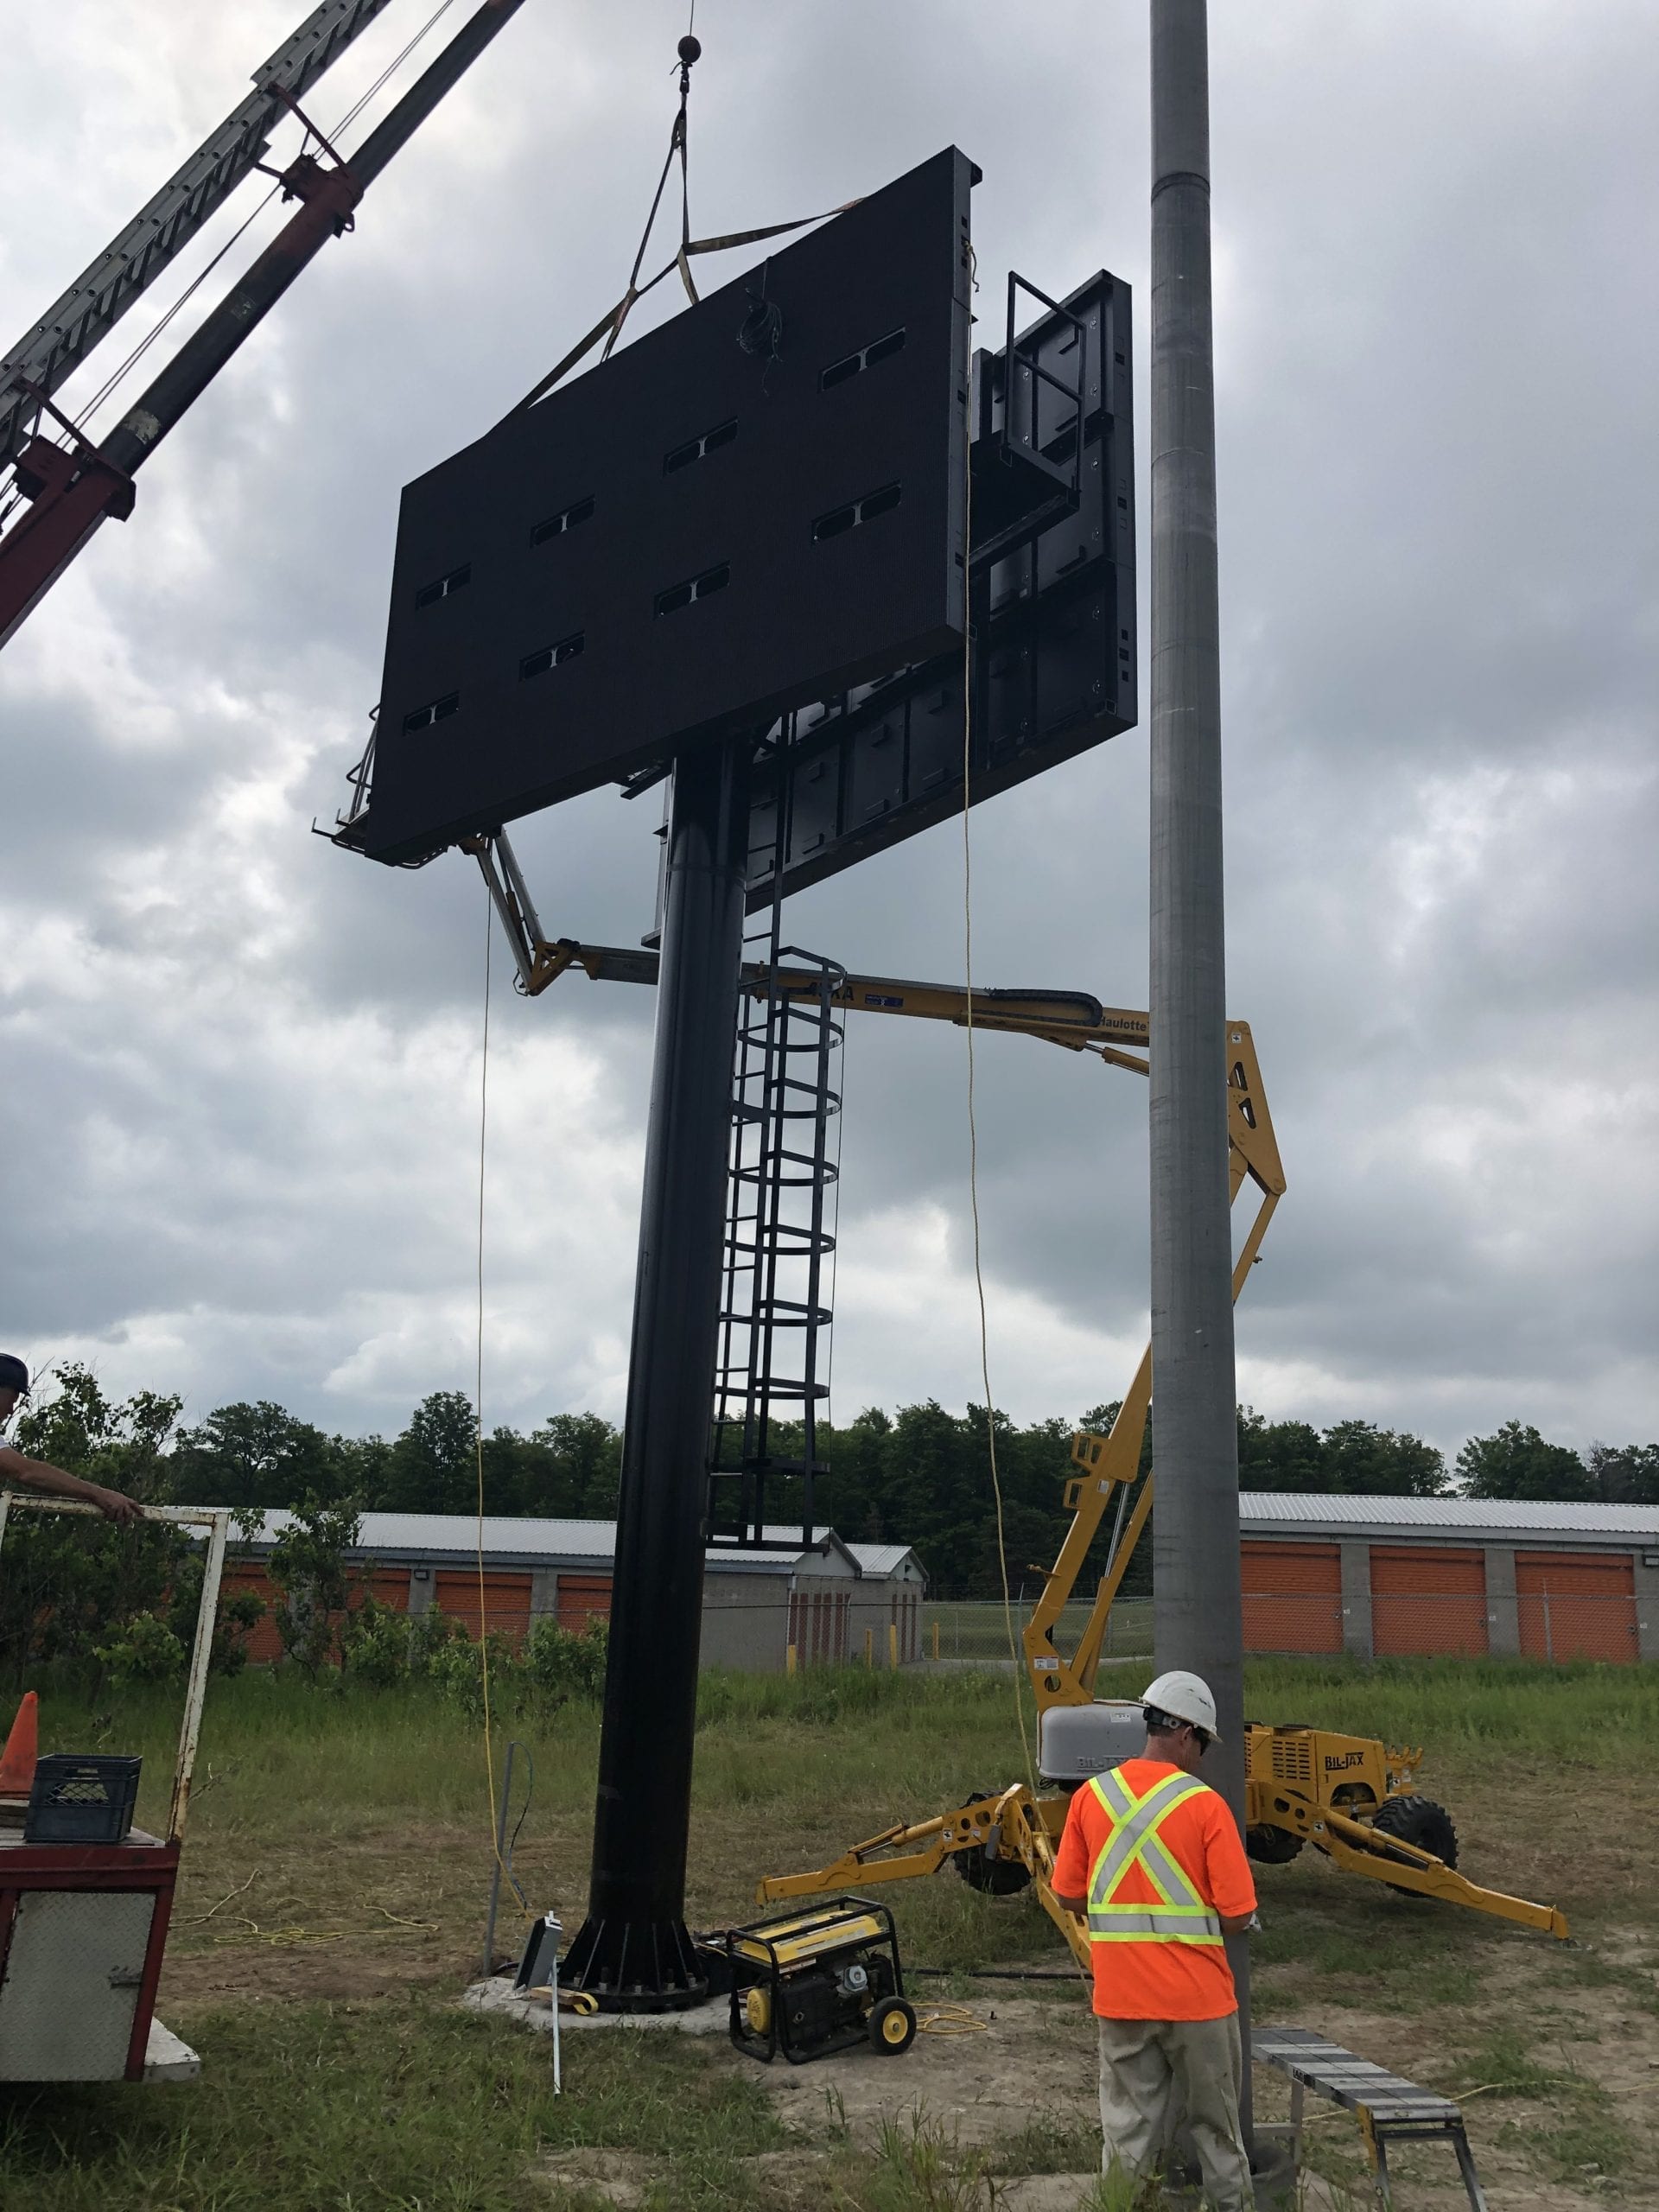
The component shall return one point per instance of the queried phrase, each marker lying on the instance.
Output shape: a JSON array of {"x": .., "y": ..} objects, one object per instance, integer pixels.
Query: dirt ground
[
  {"x": 1552, "y": 2050},
  {"x": 1590, "y": 2033},
  {"x": 1020, "y": 2083}
]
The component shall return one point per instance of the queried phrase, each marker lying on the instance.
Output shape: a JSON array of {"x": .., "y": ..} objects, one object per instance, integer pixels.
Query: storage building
[
  {"x": 1383, "y": 1577},
  {"x": 832, "y": 1601}
]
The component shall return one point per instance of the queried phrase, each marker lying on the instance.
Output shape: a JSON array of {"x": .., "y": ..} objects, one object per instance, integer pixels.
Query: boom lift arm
[
  {"x": 1003, "y": 1841},
  {"x": 1078, "y": 1022}
]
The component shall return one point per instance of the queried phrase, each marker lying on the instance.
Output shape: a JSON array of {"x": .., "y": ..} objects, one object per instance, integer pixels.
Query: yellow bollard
[
  {"x": 789, "y": 1659},
  {"x": 869, "y": 1647},
  {"x": 892, "y": 1643}
]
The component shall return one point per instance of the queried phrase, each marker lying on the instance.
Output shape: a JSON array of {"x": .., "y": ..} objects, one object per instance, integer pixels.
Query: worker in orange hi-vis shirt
[{"x": 1151, "y": 1858}]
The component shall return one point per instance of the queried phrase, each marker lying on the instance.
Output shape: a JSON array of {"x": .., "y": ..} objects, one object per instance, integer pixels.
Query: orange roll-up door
[
  {"x": 1430, "y": 1597},
  {"x": 1576, "y": 1605},
  {"x": 264, "y": 1642},
  {"x": 389, "y": 1586},
  {"x": 506, "y": 1600},
  {"x": 1292, "y": 1596},
  {"x": 581, "y": 1599}
]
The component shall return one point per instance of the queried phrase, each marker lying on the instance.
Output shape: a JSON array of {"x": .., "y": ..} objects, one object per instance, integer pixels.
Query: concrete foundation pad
[{"x": 497, "y": 1995}]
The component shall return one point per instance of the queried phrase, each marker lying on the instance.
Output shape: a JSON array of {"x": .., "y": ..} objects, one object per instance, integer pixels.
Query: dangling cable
[
  {"x": 973, "y": 1125},
  {"x": 506, "y": 1865}
]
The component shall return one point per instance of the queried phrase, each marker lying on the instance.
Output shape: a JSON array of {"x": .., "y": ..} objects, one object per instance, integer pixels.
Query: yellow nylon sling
[{"x": 1180, "y": 1916}]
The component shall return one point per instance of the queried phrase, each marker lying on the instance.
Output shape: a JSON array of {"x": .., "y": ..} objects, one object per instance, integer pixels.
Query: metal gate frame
[{"x": 216, "y": 1520}]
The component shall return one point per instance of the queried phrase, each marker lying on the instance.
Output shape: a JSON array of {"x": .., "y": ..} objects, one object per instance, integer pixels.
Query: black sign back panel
[
  {"x": 1053, "y": 665},
  {"x": 690, "y": 536}
]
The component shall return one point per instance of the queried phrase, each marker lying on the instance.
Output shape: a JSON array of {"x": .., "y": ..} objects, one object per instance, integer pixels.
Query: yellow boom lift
[{"x": 1352, "y": 1797}]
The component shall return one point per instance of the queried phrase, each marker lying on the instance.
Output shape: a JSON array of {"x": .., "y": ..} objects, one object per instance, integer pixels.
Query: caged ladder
[{"x": 771, "y": 1379}]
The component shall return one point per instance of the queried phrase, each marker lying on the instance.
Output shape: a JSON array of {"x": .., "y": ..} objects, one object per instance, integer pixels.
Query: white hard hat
[{"x": 1184, "y": 1697}]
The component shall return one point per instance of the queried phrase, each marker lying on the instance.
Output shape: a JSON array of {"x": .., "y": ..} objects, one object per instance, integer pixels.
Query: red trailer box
[{"x": 83, "y": 1926}]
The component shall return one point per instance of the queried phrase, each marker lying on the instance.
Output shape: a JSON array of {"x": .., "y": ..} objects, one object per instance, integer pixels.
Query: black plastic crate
[{"x": 81, "y": 1798}]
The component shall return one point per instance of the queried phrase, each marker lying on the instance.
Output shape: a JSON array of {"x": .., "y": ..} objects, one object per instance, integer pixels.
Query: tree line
[{"x": 921, "y": 1476}]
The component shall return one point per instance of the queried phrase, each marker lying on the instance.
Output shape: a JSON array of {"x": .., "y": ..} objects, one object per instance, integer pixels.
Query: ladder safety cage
[{"x": 774, "y": 1320}]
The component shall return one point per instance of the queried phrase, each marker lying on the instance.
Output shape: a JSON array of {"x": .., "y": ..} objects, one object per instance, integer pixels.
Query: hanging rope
[
  {"x": 506, "y": 1865},
  {"x": 973, "y": 1124},
  {"x": 607, "y": 331},
  {"x": 477, "y": 1379}
]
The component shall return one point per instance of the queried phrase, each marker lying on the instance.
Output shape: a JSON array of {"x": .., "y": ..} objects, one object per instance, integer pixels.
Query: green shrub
[
  {"x": 429, "y": 1634},
  {"x": 456, "y": 1670},
  {"x": 561, "y": 1665},
  {"x": 239, "y": 1613},
  {"x": 144, "y": 1649},
  {"x": 374, "y": 1642}
]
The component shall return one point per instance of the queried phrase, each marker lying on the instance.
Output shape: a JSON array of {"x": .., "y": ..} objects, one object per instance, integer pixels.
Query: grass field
[
  {"x": 333, "y": 1905},
  {"x": 965, "y": 1630}
]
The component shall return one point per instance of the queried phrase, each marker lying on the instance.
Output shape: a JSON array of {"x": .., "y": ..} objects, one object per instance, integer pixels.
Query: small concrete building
[
  {"x": 831, "y": 1600},
  {"x": 1384, "y": 1577}
]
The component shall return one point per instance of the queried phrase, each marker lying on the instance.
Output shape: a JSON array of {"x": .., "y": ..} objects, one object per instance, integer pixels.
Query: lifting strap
[
  {"x": 609, "y": 325},
  {"x": 1179, "y": 1915}
]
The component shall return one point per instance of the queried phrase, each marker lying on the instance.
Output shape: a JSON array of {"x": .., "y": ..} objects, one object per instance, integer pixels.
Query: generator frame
[{"x": 770, "y": 1957}]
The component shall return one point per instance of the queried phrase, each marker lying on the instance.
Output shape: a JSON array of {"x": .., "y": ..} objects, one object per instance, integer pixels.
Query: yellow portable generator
[{"x": 809, "y": 1983}]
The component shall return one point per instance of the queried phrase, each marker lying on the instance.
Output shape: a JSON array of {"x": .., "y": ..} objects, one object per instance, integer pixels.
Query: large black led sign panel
[
  {"x": 693, "y": 536},
  {"x": 1052, "y": 669}
]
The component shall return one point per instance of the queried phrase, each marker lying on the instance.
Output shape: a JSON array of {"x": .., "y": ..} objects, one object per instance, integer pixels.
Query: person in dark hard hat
[
  {"x": 1151, "y": 1859},
  {"x": 16, "y": 1467}
]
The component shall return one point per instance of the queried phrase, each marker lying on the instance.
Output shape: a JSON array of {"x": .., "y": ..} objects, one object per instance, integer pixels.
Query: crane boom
[
  {"x": 47, "y": 355},
  {"x": 75, "y": 487}
]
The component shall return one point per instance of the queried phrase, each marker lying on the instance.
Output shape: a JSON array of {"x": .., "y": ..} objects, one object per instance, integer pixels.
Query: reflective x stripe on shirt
[{"x": 1179, "y": 1916}]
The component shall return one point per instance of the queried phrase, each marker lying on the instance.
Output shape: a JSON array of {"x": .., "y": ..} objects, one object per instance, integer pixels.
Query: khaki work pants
[{"x": 1160, "y": 2079}]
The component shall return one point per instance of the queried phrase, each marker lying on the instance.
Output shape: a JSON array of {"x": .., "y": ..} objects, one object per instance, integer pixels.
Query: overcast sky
[{"x": 241, "y": 1070}]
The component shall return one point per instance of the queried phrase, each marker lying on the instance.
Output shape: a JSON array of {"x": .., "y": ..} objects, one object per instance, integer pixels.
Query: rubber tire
[
  {"x": 888, "y": 2015},
  {"x": 1418, "y": 1820},
  {"x": 1272, "y": 1846},
  {"x": 992, "y": 1877}
]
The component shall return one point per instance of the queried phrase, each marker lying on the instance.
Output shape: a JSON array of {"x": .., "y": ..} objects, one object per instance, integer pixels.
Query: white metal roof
[
  {"x": 1266, "y": 1512},
  {"x": 509, "y": 1542},
  {"x": 883, "y": 1558}
]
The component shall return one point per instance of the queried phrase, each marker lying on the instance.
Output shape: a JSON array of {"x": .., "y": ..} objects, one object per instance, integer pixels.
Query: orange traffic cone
[{"x": 22, "y": 1749}]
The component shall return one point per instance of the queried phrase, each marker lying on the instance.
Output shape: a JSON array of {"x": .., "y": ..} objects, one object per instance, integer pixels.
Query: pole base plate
[{"x": 636, "y": 1965}]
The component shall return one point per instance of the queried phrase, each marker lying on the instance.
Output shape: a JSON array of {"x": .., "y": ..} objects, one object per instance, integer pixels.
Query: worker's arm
[
  {"x": 1232, "y": 1889},
  {"x": 1070, "y": 1882},
  {"x": 57, "y": 1482}
]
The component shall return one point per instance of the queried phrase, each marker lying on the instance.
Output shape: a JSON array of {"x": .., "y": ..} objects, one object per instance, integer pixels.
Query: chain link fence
[
  {"x": 974, "y": 1632},
  {"x": 764, "y": 1628}
]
